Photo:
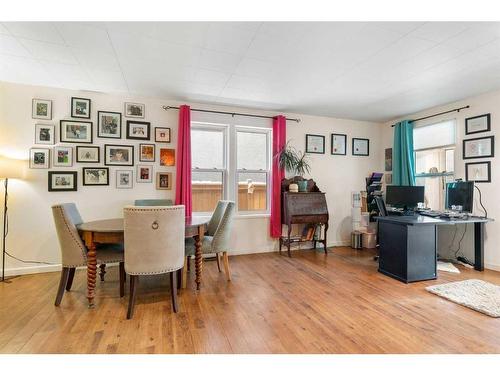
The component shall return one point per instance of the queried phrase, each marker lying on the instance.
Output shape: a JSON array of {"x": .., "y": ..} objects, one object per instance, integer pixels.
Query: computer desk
[{"x": 408, "y": 245}]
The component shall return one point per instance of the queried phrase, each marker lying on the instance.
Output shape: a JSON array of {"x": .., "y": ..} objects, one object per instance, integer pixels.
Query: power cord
[{"x": 481, "y": 201}]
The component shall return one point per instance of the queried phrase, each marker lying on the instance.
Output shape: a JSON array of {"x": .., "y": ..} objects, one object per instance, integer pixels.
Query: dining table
[{"x": 111, "y": 231}]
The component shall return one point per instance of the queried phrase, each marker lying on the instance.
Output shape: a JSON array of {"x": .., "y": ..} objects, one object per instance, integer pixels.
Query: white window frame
[
  {"x": 267, "y": 171},
  {"x": 213, "y": 127}
]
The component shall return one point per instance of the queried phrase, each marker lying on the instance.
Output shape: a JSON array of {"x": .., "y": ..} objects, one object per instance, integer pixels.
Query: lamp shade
[{"x": 12, "y": 168}]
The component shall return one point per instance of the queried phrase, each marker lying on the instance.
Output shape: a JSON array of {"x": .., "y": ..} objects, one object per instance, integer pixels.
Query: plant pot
[{"x": 302, "y": 186}]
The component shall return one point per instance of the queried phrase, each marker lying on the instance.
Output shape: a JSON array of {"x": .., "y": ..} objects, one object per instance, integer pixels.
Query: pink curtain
[
  {"x": 279, "y": 141},
  {"x": 183, "y": 175}
]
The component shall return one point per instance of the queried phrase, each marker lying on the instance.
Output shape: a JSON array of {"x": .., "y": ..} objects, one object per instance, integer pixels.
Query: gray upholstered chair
[
  {"x": 216, "y": 240},
  {"x": 153, "y": 202},
  {"x": 154, "y": 243},
  {"x": 73, "y": 250}
]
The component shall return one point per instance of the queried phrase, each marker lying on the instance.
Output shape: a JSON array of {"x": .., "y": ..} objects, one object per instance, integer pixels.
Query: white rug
[
  {"x": 447, "y": 266},
  {"x": 474, "y": 294}
]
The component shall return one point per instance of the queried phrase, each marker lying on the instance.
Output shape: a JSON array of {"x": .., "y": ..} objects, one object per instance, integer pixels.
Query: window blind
[{"x": 434, "y": 135}]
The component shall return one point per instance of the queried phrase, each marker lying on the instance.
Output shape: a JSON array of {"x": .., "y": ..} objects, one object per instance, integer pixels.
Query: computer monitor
[
  {"x": 407, "y": 197},
  {"x": 459, "y": 196}
]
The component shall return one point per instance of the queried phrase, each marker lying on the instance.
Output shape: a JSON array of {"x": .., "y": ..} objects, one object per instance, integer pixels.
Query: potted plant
[{"x": 294, "y": 162}]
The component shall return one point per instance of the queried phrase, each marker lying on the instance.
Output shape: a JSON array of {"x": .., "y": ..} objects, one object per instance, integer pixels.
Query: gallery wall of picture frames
[
  {"x": 76, "y": 145},
  {"x": 478, "y": 147},
  {"x": 315, "y": 144}
]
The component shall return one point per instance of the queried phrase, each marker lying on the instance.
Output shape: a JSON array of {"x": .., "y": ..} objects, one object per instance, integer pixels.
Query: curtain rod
[
  {"x": 438, "y": 114},
  {"x": 166, "y": 108}
]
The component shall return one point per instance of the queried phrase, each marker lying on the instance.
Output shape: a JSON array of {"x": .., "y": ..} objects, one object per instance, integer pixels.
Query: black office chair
[{"x": 382, "y": 212}]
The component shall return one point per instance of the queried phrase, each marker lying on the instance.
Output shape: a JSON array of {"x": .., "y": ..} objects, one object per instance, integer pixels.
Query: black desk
[{"x": 408, "y": 245}]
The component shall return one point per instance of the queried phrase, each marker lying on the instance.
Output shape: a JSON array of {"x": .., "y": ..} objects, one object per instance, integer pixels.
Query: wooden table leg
[
  {"x": 198, "y": 255},
  {"x": 91, "y": 267}
]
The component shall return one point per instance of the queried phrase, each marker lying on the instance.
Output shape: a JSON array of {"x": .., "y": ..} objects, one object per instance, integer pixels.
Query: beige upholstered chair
[
  {"x": 73, "y": 250},
  {"x": 216, "y": 240},
  {"x": 154, "y": 243}
]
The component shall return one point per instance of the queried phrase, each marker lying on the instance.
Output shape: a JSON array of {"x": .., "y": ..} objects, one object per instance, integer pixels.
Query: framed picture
[
  {"x": 162, "y": 135},
  {"x": 63, "y": 181},
  {"x": 124, "y": 179},
  {"x": 138, "y": 130},
  {"x": 109, "y": 124},
  {"x": 315, "y": 144},
  {"x": 144, "y": 173},
  {"x": 88, "y": 154},
  {"x": 388, "y": 178},
  {"x": 75, "y": 131},
  {"x": 163, "y": 180},
  {"x": 119, "y": 155},
  {"x": 478, "y": 172},
  {"x": 95, "y": 176},
  {"x": 167, "y": 157},
  {"x": 360, "y": 146},
  {"x": 388, "y": 160},
  {"x": 136, "y": 110},
  {"x": 80, "y": 107},
  {"x": 147, "y": 152},
  {"x": 39, "y": 158},
  {"x": 45, "y": 134},
  {"x": 62, "y": 156},
  {"x": 339, "y": 144},
  {"x": 41, "y": 109},
  {"x": 483, "y": 147},
  {"x": 478, "y": 124}
]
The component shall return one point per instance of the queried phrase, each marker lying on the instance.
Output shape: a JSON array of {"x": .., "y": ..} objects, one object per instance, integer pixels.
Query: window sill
[{"x": 239, "y": 216}]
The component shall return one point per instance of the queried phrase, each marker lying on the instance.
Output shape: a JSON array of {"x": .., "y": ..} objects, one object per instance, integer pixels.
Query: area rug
[
  {"x": 447, "y": 267},
  {"x": 474, "y": 294}
]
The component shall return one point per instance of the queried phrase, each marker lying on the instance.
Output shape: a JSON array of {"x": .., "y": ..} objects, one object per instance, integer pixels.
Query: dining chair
[
  {"x": 153, "y": 202},
  {"x": 74, "y": 252},
  {"x": 154, "y": 243},
  {"x": 216, "y": 241}
]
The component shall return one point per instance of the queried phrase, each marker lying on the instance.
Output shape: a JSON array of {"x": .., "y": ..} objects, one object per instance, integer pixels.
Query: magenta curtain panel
[
  {"x": 279, "y": 141},
  {"x": 183, "y": 171}
]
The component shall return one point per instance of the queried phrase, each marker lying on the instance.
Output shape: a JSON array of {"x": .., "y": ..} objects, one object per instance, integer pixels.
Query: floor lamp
[{"x": 9, "y": 169}]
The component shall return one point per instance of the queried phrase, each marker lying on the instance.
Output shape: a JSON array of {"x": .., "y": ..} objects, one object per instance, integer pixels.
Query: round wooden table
[{"x": 111, "y": 231}]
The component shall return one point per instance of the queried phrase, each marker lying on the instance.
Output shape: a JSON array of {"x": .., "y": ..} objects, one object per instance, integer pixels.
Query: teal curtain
[{"x": 403, "y": 163}]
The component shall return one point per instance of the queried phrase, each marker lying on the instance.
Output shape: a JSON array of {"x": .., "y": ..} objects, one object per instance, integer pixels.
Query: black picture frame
[
  {"x": 70, "y": 173},
  {"x": 353, "y": 148},
  {"x": 99, "y": 125},
  {"x": 488, "y": 124},
  {"x": 85, "y": 183},
  {"x": 146, "y": 137},
  {"x": 169, "y": 135},
  {"x": 488, "y": 163},
  {"x": 89, "y": 124},
  {"x": 140, "y": 152},
  {"x": 491, "y": 155},
  {"x": 307, "y": 143},
  {"x": 345, "y": 144},
  {"x": 89, "y": 162},
  {"x": 73, "y": 107},
  {"x": 107, "y": 162}
]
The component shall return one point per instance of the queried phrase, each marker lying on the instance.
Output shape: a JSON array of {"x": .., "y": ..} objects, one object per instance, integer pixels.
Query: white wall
[
  {"x": 32, "y": 235},
  {"x": 479, "y": 105}
]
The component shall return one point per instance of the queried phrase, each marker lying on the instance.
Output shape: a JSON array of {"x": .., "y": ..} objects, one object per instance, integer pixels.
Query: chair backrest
[
  {"x": 154, "y": 239},
  {"x": 216, "y": 218},
  {"x": 222, "y": 235},
  {"x": 73, "y": 250},
  {"x": 381, "y": 206},
  {"x": 153, "y": 202}
]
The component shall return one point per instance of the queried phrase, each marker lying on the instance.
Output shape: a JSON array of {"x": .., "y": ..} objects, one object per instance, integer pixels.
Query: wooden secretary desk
[{"x": 303, "y": 208}]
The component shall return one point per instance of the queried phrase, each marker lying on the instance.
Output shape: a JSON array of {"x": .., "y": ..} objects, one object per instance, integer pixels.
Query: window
[
  {"x": 434, "y": 160},
  {"x": 230, "y": 162}
]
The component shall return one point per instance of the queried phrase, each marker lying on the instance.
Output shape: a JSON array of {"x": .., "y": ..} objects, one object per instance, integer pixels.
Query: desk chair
[{"x": 153, "y": 202}]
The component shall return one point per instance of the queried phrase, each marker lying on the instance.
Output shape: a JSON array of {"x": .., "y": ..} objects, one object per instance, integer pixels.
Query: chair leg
[
  {"x": 133, "y": 289},
  {"x": 226, "y": 266},
  {"x": 122, "y": 279},
  {"x": 173, "y": 290},
  {"x": 184, "y": 273},
  {"x": 62, "y": 285},
  {"x": 102, "y": 271},
  {"x": 188, "y": 258},
  {"x": 71, "y": 276},
  {"x": 218, "y": 261}
]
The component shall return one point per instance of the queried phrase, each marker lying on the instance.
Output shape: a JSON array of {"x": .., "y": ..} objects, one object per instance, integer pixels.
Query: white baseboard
[
  {"x": 32, "y": 269},
  {"x": 493, "y": 267}
]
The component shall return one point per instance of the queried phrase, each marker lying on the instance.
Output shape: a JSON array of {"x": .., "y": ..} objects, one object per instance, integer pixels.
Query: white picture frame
[
  {"x": 135, "y": 110},
  {"x": 62, "y": 156},
  {"x": 144, "y": 173},
  {"x": 45, "y": 134},
  {"x": 41, "y": 109},
  {"x": 39, "y": 158},
  {"x": 124, "y": 179}
]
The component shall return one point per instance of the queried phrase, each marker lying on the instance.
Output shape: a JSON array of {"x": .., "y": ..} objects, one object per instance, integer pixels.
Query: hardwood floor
[{"x": 310, "y": 303}]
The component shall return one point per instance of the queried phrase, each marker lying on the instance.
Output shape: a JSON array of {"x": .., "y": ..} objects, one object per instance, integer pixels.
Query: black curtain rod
[
  {"x": 438, "y": 114},
  {"x": 166, "y": 108}
]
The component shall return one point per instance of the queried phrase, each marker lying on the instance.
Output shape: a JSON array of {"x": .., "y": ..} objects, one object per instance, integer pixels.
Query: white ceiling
[{"x": 359, "y": 70}]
